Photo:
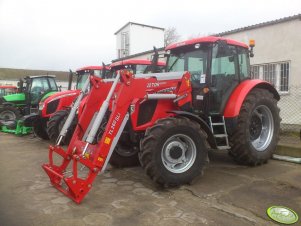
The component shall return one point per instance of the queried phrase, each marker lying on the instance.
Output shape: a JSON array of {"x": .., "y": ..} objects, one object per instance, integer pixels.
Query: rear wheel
[
  {"x": 55, "y": 125},
  {"x": 174, "y": 151},
  {"x": 9, "y": 113},
  {"x": 255, "y": 138}
]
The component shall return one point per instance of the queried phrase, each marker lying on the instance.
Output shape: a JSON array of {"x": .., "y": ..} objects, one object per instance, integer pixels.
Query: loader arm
[{"x": 91, "y": 147}]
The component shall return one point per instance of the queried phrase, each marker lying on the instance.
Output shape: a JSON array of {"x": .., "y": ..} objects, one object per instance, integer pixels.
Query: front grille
[
  {"x": 52, "y": 106},
  {"x": 146, "y": 111}
]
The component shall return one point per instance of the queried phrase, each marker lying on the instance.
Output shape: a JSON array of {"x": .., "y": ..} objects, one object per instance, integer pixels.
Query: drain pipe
[{"x": 287, "y": 158}]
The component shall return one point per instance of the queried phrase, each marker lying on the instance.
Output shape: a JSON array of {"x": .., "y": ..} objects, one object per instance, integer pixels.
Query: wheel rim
[
  {"x": 261, "y": 127},
  {"x": 178, "y": 153},
  {"x": 8, "y": 115}
]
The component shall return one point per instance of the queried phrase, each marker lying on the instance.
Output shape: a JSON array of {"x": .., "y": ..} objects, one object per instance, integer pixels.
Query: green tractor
[{"x": 15, "y": 109}]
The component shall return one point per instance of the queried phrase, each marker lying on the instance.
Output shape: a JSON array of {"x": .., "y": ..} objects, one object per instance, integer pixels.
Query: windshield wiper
[{"x": 174, "y": 63}]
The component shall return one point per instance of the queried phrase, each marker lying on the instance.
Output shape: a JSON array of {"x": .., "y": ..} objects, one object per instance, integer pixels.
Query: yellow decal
[
  {"x": 100, "y": 159},
  {"x": 87, "y": 155},
  {"x": 107, "y": 140},
  {"x": 188, "y": 82}
]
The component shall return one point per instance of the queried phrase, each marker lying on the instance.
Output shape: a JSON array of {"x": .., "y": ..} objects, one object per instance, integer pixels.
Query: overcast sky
[{"x": 63, "y": 34}]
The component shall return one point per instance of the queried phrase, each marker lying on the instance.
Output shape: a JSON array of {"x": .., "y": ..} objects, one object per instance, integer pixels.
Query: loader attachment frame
[{"x": 91, "y": 147}]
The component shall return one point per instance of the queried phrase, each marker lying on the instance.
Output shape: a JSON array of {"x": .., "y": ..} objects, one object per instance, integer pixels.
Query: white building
[{"x": 135, "y": 38}]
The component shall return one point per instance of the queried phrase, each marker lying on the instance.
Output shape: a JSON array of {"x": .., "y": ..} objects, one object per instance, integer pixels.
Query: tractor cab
[
  {"x": 37, "y": 87},
  {"x": 135, "y": 66},
  {"x": 83, "y": 74},
  {"x": 216, "y": 66}
]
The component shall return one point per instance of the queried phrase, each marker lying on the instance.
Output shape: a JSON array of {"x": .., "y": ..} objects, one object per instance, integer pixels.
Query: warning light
[{"x": 251, "y": 42}]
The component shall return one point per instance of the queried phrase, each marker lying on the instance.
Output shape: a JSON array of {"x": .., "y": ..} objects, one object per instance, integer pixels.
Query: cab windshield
[
  {"x": 190, "y": 59},
  {"x": 83, "y": 76}
]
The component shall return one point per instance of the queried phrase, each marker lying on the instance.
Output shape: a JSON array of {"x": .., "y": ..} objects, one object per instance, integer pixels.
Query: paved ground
[{"x": 227, "y": 194}]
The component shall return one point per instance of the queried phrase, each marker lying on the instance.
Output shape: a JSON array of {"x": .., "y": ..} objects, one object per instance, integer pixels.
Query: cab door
[{"x": 224, "y": 75}]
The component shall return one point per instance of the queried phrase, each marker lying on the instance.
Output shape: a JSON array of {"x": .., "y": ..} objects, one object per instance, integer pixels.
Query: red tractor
[
  {"x": 6, "y": 90},
  {"x": 61, "y": 101},
  {"x": 57, "y": 119},
  {"x": 205, "y": 101}
]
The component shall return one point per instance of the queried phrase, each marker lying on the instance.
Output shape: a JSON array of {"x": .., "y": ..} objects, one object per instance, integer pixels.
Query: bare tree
[{"x": 171, "y": 36}]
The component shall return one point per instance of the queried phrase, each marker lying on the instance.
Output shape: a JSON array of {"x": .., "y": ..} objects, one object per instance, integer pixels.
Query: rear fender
[
  {"x": 239, "y": 94},
  {"x": 202, "y": 123}
]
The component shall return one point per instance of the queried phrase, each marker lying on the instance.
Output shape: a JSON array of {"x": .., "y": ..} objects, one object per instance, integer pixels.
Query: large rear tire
[
  {"x": 174, "y": 151},
  {"x": 9, "y": 113},
  {"x": 55, "y": 125},
  {"x": 254, "y": 140}
]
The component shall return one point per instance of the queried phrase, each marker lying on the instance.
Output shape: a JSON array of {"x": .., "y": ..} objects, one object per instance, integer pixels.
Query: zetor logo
[
  {"x": 152, "y": 85},
  {"x": 115, "y": 120}
]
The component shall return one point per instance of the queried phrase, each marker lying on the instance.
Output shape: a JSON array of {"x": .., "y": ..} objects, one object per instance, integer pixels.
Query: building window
[
  {"x": 125, "y": 43},
  {"x": 274, "y": 73},
  {"x": 255, "y": 72},
  {"x": 284, "y": 74},
  {"x": 269, "y": 73}
]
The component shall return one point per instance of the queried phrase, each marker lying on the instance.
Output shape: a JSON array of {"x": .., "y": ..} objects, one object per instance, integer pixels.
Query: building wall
[
  {"x": 144, "y": 38},
  {"x": 279, "y": 43},
  {"x": 140, "y": 39}
]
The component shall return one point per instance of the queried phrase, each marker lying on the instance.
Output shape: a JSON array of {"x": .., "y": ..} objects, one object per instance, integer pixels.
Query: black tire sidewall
[
  {"x": 193, "y": 171},
  {"x": 12, "y": 109},
  {"x": 271, "y": 147}
]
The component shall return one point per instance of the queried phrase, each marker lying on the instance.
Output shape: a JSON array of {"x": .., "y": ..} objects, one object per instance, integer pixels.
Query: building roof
[
  {"x": 144, "y": 25},
  {"x": 268, "y": 23}
]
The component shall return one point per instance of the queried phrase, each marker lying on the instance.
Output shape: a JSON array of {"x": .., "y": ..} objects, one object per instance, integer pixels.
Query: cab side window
[{"x": 243, "y": 61}]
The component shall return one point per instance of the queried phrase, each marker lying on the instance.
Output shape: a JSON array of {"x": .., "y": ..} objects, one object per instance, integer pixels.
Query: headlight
[{"x": 41, "y": 106}]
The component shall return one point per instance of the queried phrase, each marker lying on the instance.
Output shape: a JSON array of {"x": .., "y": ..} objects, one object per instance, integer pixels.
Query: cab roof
[
  {"x": 135, "y": 62},
  {"x": 90, "y": 68},
  {"x": 207, "y": 39},
  {"x": 8, "y": 87}
]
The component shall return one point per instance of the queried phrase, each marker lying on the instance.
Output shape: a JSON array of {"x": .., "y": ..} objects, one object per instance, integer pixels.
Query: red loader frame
[{"x": 94, "y": 153}]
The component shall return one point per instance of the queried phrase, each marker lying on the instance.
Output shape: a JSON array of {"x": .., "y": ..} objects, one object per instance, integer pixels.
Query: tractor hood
[
  {"x": 48, "y": 95},
  {"x": 17, "y": 98},
  {"x": 57, "y": 101},
  {"x": 60, "y": 95}
]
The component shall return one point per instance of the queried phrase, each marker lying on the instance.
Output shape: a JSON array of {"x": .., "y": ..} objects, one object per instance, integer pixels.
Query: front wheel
[
  {"x": 174, "y": 151},
  {"x": 55, "y": 125},
  {"x": 39, "y": 129},
  {"x": 254, "y": 140}
]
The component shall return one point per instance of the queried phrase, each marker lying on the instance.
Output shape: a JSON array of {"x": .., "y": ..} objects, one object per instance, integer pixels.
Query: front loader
[
  {"x": 54, "y": 120},
  {"x": 205, "y": 101}
]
